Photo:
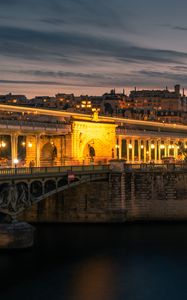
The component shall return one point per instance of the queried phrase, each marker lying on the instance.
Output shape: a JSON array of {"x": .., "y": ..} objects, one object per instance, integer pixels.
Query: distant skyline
[{"x": 90, "y": 47}]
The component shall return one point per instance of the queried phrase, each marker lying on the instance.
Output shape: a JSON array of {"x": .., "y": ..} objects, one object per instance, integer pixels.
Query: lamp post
[{"x": 15, "y": 162}]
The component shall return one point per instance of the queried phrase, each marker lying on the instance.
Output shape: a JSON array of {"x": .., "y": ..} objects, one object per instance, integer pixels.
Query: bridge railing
[
  {"x": 90, "y": 168},
  {"x": 47, "y": 170},
  {"x": 155, "y": 167}
]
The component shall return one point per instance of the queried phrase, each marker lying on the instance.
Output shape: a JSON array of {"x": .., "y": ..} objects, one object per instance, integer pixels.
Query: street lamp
[{"x": 15, "y": 162}]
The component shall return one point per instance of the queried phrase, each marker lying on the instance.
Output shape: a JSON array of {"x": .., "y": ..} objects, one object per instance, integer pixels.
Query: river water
[{"x": 98, "y": 262}]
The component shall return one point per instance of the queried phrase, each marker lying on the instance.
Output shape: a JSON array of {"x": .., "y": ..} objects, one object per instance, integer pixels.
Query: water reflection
[
  {"x": 94, "y": 262},
  {"x": 92, "y": 279}
]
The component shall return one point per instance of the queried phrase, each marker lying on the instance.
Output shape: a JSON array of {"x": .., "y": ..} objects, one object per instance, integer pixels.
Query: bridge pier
[{"x": 116, "y": 203}]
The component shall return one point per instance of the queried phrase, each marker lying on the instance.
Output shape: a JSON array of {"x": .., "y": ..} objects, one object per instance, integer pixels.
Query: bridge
[
  {"x": 20, "y": 188},
  {"x": 46, "y": 137},
  {"x": 89, "y": 193},
  {"x": 44, "y": 153}
]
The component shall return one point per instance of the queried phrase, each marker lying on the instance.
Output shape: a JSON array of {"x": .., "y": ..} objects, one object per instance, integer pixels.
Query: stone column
[
  {"x": 133, "y": 144},
  {"x": 38, "y": 150},
  {"x": 175, "y": 149},
  {"x": 116, "y": 185},
  {"x": 14, "y": 147},
  {"x": 156, "y": 151},
  {"x": 159, "y": 151},
  {"x": 127, "y": 150},
  {"x": 68, "y": 148},
  {"x": 120, "y": 145},
  {"x": 139, "y": 151},
  {"x": 144, "y": 151},
  {"x": 149, "y": 150},
  {"x": 167, "y": 148}
]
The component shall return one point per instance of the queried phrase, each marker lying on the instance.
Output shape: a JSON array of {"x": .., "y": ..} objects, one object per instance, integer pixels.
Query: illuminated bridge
[
  {"x": 69, "y": 167},
  {"x": 44, "y": 137}
]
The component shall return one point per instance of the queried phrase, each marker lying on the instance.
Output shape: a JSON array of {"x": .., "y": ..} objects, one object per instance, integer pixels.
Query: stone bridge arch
[
  {"x": 48, "y": 154},
  {"x": 20, "y": 194},
  {"x": 101, "y": 136},
  {"x": 36, "y": 188}
]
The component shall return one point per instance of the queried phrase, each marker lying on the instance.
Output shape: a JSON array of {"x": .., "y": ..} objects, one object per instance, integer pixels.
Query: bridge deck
[
  {"x": 85, "y": 169},
  {"x": 42, "y": 171}
]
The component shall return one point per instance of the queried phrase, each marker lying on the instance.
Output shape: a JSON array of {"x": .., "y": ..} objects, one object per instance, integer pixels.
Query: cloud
[
  {"x": 89, "y": 43},
  {"x": 180, "y": 28},
  {"x": 63, "y": 46},
  {"x": 6, "y": 81},
  {"x": 165, "y": 76}
]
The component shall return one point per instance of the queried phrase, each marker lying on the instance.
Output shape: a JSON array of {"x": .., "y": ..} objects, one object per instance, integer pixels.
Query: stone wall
[{"x": 156, "y": 196}]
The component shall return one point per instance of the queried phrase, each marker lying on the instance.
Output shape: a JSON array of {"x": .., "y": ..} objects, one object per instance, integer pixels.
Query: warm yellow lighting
[
  {"x": 23, "y": 144},
  {"x": 178, "y": 147},
  {"x": 117, "y": 146},
  {"x": 130, "y": 146},
  {"x": 142, "y": 146},
  {"x": 3, "y": 144},
  {"x": 171, "y": 146},
  {"x": 152, "y": 146},
  {"x": 162, "y": 146},
  {"x": 30, "y": 145},
  {"x": 147, "y": 152},
  {"x": 15, "y": 161}
]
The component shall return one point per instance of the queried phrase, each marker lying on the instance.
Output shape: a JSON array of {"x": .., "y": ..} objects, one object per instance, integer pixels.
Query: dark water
[{"x": 99, "y": 262}]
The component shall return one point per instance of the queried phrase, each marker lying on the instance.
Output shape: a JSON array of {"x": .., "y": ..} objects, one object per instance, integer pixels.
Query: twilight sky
[{"x": 91, "y": 46}]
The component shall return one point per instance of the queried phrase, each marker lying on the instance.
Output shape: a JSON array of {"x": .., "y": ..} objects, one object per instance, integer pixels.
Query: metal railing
[
  {"x": 155, "y": 167},
  {"x": 89, "y": 168},
  {"x": 52, "y": 170}
]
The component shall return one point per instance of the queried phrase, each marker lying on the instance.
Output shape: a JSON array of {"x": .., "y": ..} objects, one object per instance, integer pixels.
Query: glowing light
[
  {"x": 162, "y": 146},
  {"x": 3, "y": 144},
  {"x": 152, "y": 146},
  {"x": 130, "y": 146},
  {"x": 15, "y": 161},
  {"x": 171, "y": 146},
  {"x": 23, "y": 144},
  {"x": 30, "y": 145},
  {"x": 141, "y": 146}
]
